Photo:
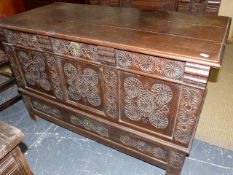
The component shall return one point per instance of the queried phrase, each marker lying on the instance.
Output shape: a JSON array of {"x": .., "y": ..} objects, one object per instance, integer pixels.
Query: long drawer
[{"x": 132, "y": 142}]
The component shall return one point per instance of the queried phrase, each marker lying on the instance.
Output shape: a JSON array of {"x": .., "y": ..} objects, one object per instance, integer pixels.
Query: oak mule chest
[{"x": 130, "y": 79}]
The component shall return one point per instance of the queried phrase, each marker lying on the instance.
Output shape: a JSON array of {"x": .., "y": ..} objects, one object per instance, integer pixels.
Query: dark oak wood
[
  {"x": 133, "y": 80},
  {"x": 197, "y": 7},
  {"x": 12, "y": 160}
]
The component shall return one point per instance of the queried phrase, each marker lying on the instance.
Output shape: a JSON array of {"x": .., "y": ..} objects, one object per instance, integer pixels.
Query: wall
[{"x": 226, "y": 9}]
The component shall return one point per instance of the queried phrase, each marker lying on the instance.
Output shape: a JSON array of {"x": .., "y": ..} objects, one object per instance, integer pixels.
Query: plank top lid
[{"x": 173, "y": 35}]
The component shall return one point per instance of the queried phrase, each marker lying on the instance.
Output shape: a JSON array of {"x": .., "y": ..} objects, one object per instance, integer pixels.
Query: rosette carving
[
  {"x": 34, "y": 68},
  {"x": 150, "y": 64},
  {"x": 147, "y": 105},
  {"x": 189, "y": 106},
  {"x": 82, "y": 84}
]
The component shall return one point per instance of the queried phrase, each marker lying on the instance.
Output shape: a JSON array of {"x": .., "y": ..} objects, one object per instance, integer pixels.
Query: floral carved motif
[
  {"x": 111, "y": 96},
  {"x": 55, "y": 78},
  {"x": 189, "y": 106},
  {"x": 75, "y": 49},
  {"x": 150, "y": 64},
  {"x": 82, "y": 84},
  {"x": 28, "y": 40},
  {"x": 34, "y": 68},
  {"x": 143, "y": 147},
  {"x": 147, "y": 105},
  {"x": 46, "y": 109},
  {"x": 89, "y": 125}
]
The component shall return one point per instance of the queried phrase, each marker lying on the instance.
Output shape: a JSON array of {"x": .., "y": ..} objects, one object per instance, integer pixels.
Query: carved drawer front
[
  {"x": 136, "y": 143},
  {"x": 40, "y": 71},
  {"x": 46, "y": 108},
  {"x": 148, "y": 103}
]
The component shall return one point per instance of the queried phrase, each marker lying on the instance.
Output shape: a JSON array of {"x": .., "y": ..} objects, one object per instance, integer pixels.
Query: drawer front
[{"x": 150, "y": 148}]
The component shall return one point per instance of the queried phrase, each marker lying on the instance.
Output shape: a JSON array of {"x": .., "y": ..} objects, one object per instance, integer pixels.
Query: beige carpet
[{"x": 216, "y": 122}]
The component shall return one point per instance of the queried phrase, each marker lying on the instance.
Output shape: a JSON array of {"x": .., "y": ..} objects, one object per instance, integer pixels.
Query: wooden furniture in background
[
  {"x": 12, "y": 161},
  {"x": 8, "y": 89},
  {"x": 199, "y": 7},
  {"x": 31, "y": 4},
  {"x": 133, "y": 80},
  {"x": 11, "y": 7}
]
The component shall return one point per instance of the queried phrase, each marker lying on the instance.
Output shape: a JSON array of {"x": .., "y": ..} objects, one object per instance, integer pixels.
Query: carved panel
[
  {"x": 142, "y": 146},
  {"x": 149, "y": 103},
  {"x": 150, "y": 64},
  {"x": 33, "y": 65},
  {"x": 46, "y": 109},
  {"x": 10, "y": 54},
  {"x": 38, "y": 42},
  {"x": 89, "y": 125},
  {"x": 111, "y": 93},
  {"x": 40, "y": 71},
  {"x": 83, "y": 83},
  {"x": 187, "y": 115}
]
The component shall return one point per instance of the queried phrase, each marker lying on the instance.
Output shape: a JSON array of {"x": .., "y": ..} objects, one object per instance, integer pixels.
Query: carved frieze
[
  {"x": 89, "y": 125},
  {"x": 111, "y": 93},
  {"x": 38, "y": 42},
  {"x": 90, "y": 52},
  {"x": 150, "y": 64},
  {"x": 142, "y": 146},
  {"x": 187, "y": 114},
  {"x": 46, "y": 109},
  {"x": 34, "y": 69},
  {"x": 147, "y": 104},
  {"x": 82, "y": 83}
]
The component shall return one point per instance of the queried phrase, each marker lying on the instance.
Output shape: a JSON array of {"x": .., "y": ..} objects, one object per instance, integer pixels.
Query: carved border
[
  {"x": 38, "y": 42},
  {"x": 150, "y": 64},
  {"x": 111, "y": 93},
  {"x": 142, "y": 146},
  {"x": 54, "y": 76},
  {"x": 46, "y": 109},
  {"x": 188, "y": 112},
  {"x": 89, "y": 125}
]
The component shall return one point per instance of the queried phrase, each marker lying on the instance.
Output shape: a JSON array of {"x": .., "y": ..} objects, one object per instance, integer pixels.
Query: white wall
[{"x": 226, "y": 9}]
